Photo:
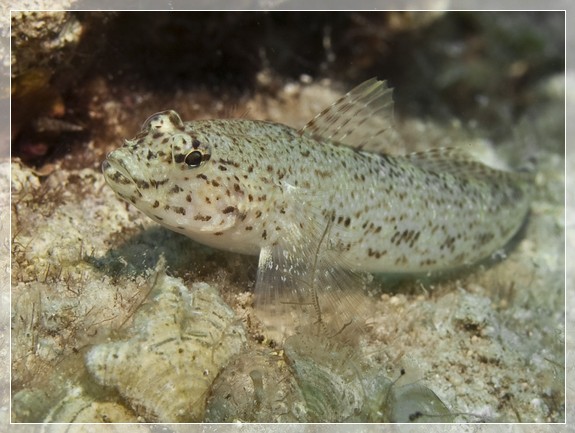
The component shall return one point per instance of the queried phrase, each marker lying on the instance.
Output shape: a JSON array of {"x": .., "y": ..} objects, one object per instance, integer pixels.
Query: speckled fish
[{"x": 314, "y": 201}]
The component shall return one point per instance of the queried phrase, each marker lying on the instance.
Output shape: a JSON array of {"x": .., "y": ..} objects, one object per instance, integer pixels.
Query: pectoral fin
[{"x": 302, "y": 283}]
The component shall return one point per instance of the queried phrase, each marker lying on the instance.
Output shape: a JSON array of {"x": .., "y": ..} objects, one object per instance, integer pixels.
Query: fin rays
[
  {"x": 362, "y": 118},
  {"x": 302, "y": 282}
]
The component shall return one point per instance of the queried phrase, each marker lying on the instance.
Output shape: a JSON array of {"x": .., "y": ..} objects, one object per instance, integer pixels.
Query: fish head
[{"x": 168, "y": 171}]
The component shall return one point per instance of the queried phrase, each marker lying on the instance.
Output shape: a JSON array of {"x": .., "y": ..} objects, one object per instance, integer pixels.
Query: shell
[
  {"x": 338, "y": 387},
  {"x": 77, "y": 407},
  {"x": 31, "y": 405},
  {"x": 179, "y": 342},
  {"x": 256, "y": 386},
  {"x": 416, "y": 403},
  {"x": 329, "y": 377}
]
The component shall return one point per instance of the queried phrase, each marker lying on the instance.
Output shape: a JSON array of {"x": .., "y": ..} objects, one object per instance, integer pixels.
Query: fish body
[{"x": 258, "y": 187}]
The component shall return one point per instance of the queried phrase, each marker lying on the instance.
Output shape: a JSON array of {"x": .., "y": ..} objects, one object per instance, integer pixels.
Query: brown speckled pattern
[{"x": 241, "y": 185}]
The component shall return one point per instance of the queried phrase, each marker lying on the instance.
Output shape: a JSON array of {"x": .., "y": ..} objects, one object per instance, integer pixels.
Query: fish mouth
[{"x": 115, "y": 171}]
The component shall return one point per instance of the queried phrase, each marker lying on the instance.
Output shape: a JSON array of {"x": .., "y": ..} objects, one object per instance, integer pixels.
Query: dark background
[{"x": 473, "y": 66}]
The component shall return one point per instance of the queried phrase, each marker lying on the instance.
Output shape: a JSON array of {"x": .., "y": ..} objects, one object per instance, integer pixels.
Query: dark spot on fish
[
  {"x": 376, "y": 254},
  {"x": 142, "y": 184},
  {"x": 229, "y": 162},
  {"x": 119, "y": 178},
  {"x": 414, "y": 239},
  {"x": 200, "y": 217},
  {"x": 427, "y": 262},
  {"x": 401, "y": 260}
]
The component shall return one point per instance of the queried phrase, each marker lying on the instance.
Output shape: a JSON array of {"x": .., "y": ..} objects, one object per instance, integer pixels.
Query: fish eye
[{"x": 194, "y": 159}]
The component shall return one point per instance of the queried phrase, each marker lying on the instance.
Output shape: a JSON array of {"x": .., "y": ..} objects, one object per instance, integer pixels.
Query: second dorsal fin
[
  {"x": 362, "y": 118},
  {"x": 458, "y": 162}
]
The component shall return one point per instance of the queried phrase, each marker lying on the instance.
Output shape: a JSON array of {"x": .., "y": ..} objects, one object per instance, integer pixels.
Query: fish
[{"x": 323, "y": 203}]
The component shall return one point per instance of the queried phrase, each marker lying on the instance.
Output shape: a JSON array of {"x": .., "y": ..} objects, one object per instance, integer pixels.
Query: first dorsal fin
[{"x": 362, "y": 118}]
